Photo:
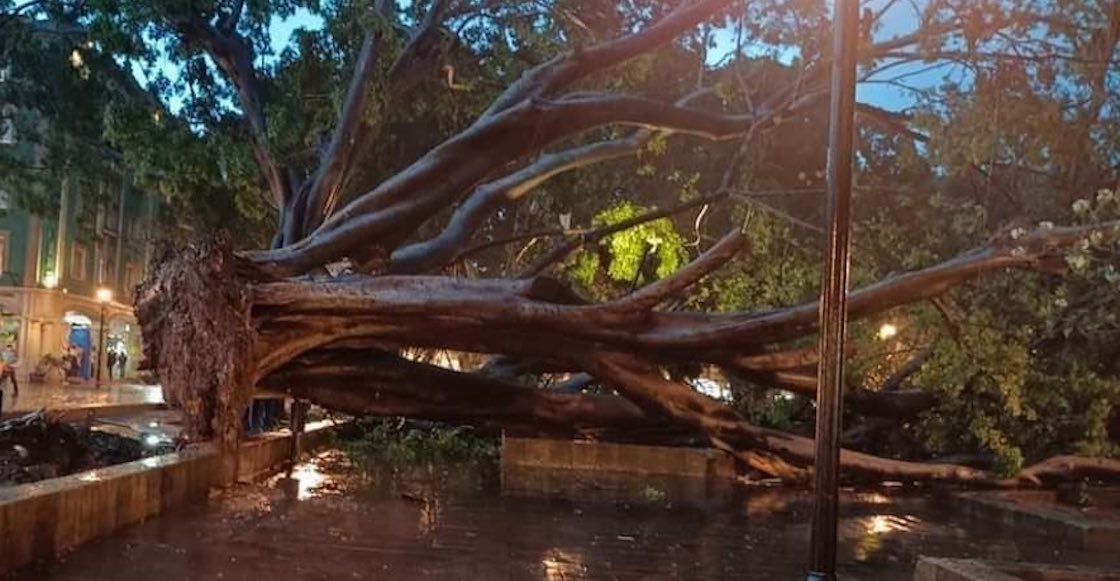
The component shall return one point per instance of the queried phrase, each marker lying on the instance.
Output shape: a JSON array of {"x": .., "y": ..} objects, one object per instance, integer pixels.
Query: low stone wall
[
  {"x": 264, "y": 454},
  {"x": 931, "y": 569},
  {"x": 82, "y": 413},
  {"x": 1092, "y": 534},
  {"x": 45, "y": 519},
  {"x": 607, "y": 457}
]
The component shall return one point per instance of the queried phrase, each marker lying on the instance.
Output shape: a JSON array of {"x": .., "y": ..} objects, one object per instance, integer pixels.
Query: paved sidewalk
[{"x": 80, "y": 397}]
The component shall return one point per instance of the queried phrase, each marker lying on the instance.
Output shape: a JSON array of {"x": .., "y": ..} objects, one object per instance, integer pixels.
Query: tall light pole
[
  {"x": 834, "y": 290},
  {"x": 104, "y": 296}
]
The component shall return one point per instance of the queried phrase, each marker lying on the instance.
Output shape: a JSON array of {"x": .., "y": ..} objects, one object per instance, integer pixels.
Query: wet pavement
[
  {"x": 452, "y": 523},
  {"x": 70, "y": 396},
  {"x": 149, "y": 426}
]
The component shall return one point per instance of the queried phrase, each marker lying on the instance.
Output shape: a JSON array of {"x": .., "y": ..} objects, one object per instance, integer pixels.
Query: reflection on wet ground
[
  {"x": 61, "y": 396},
  {"x": 450, "y": 523}
]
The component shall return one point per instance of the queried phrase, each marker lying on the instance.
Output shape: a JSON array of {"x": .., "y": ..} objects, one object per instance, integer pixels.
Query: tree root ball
[{"x": 193, "y": 312}]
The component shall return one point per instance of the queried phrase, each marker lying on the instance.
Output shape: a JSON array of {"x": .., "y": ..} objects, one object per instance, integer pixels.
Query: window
[
  {"x": 5, "y": 73},
  {"x": 7, "y": 129},
  {"x": 79, "y": 257},
  {"x": 139, "y": 230},
  {"x": 8, "y": 124}
]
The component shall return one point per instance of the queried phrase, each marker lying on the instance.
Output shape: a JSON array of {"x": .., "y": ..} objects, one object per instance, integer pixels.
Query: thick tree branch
[
  {"x": 551, "y": 76},
  {"x": 889, "y": 404},
  {"x": 777, "y": 360},
  {"x": 387, "y": 214},
  {"x": 326, "y": 186},
  {"x": 480, "y": 204},
  {"x": 419, "y": 53},
  {"x": 652, "y": 392},
  {"x": 896, "y": 379},
  {"x": 396, "y": 303},
  {"x": 234, "y": 56},
  {"x": 354, "y": 133},
  {"x": 364, "y": 382}
]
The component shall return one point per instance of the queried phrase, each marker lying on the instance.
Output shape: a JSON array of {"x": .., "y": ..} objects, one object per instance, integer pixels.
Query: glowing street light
[
  {"x": 887, "y": 331},
  {"x": 104, "y": 296},
  {"x": 50, "y": 280}
]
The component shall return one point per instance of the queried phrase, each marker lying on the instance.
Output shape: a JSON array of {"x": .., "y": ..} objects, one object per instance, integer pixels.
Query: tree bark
[{"x": 368, "y": 382}]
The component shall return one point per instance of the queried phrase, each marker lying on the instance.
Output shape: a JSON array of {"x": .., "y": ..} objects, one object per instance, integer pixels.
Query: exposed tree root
[{"x": 197, "y": 336}]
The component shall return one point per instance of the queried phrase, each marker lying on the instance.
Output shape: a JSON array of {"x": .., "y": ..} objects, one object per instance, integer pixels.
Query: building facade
[{"x": 68, "y": 280}]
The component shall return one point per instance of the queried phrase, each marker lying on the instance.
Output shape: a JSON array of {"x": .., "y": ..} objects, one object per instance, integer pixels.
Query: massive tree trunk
[{"x": 218, "y": 324}]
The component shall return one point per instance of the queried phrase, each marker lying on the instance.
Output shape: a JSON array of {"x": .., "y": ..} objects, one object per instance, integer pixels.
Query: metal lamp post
[
  {"x": 834, "y": 289},
  {"x": 104, "y": 296}
]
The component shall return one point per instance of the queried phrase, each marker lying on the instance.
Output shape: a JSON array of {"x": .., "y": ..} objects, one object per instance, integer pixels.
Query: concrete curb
[
  {"x": 939, "y": 569},
  {"x": 705, "y": 463},
  {"x": 77, "y": 414},
  {"x": 1088, "y": 533},
  {"x": 45, "y": 519}
]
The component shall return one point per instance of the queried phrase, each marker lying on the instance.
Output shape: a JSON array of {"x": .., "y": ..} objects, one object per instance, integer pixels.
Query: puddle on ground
[{"x": 452, "y": 522}]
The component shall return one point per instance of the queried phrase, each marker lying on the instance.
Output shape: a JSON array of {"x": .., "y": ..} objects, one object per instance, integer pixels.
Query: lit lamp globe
[
  {"x": 104, "y": 295},
  {"x": 50, "y": 281}
]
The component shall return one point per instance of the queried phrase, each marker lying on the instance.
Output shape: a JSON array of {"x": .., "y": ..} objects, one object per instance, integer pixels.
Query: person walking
[
  {"x": 111, "y": 357},
  {"x": 9, "y": 358},
  {"x": 122, "y": 363},
  {"x": 73, "y": 359}
]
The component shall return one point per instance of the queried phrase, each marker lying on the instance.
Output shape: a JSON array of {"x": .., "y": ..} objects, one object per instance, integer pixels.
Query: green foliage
[
  {"x": 774, "y": 270},
  {"x": 634, "y": 256},
  {"x": 390, "y": 440}
]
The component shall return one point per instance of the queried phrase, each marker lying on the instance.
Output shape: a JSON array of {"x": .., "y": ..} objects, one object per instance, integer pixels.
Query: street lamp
[
  {"x": 887, "y": 331},
  {"x": 104, "y": 296}
]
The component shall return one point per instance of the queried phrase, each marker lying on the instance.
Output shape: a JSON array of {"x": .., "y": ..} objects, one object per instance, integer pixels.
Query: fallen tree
[
  {"x": 349, "y": 284},
  {"x": 320, "y": 338}
]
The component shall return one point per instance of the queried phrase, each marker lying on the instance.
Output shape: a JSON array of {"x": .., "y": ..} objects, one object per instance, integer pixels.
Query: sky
[{"x": 898, "y": 20}]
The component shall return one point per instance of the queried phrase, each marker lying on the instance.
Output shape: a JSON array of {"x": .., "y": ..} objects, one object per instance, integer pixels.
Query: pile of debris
[{"x": 38, "y": 446}]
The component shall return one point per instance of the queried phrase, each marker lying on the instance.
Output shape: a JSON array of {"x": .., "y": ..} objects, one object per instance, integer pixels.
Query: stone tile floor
[
  {"x": 446, "y": 523},
  {"x": 68, "y": 396}
]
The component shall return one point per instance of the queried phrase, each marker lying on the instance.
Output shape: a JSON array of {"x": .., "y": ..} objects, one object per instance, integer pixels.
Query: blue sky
[
  {"x": 282, "y": 29},
  {"x": 898, "y": 20}
]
